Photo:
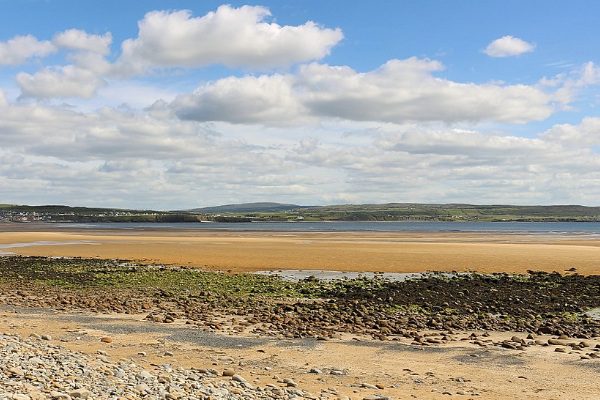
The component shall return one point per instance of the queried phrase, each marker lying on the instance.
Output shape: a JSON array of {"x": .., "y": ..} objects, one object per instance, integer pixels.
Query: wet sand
[{"x": 358, "y": 252}]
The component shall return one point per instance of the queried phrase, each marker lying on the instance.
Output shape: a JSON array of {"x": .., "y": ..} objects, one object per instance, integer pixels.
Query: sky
[{"x": 181, "y": 104}]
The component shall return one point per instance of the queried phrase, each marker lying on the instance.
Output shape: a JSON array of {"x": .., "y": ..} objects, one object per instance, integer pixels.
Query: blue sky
[{"x": 432, "y": 101}]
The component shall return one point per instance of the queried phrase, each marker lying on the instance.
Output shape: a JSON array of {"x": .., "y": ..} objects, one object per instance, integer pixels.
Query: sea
[{"x": 546, "y": 228}]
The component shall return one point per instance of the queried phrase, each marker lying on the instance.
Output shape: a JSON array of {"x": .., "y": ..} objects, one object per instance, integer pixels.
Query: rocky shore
[
  {"x": 545, "y": 313},
  {"x": 34, "y": 369},
  {"x": 537, "y": 303}
]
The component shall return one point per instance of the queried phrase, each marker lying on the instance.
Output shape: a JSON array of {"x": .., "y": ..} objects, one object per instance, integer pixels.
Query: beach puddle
[
  {"x": 594, "y": 313},
  {"x": 38, "y": 243},
  {"x": 300, "y": 274}
]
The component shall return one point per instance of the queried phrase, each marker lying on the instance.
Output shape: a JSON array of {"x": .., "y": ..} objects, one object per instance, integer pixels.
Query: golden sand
[{"x": 363, "y": 251}]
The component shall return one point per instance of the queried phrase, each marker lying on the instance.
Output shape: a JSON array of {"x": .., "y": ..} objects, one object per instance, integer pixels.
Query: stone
[
  {"x": 46, "y": 337},
  {"x": 368, "y": 386},
  {"x": 80, "y": 393},
  {"x": 142, "y": 388},
  {"x": 290, "y": 382},
  {"x": 145, "y": 376},
  {"x": 59, "y": 395},
  {"x": 106, "y": 339},
  {"x": 15, "y": 371},
  {"x": 228, "y": 372}
]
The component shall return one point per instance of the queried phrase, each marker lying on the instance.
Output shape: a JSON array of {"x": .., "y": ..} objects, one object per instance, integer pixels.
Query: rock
[
  {"x": 142, "y": 388},
  {"x": 18, "y": 396},
  {"x": 106, "y": 339},
  {"x": 46, "y": 337},
  {"x": 315, "y": 371},
  {"x": 290, "y": 382},
  {"x": 560, "y": 350},
  {"x": 15, "y": 371},
  {"x": 145, "y": 376},
  {"x": 556, "y": 342},
  {"x": 168, "y": 354},
  {"x": 238, "y": 378},
  {"x": 59, "y": 395},
  {"x": 368, "y": 386},
  {"x": 228, "y": 372},
  {"x": 375, "y": 397},
  {"x": 80, "y": 394}
]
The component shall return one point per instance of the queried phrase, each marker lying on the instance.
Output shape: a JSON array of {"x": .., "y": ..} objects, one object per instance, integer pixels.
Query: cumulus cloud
[
  {"x": 397, "y": 92},
  {"x": 508, "y": 46},
  {"x": 585, "y": 133},
  {"x": 67, "y": 81},
  {"x": 235, "y": 37},
  {"x": 243, "y": 100},
  {"x": 21, "y": 48},
  {"x": 75, "y": 39},
  {"x": 3, "y": 100},
  {"x": 82, "y": 78}
]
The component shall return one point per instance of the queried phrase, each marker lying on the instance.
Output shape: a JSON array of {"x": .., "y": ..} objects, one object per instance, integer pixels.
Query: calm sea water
[{"x": 583, "y": 228}]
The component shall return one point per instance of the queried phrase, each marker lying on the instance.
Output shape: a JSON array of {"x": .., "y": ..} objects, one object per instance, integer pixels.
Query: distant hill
[
  {"x": 269, "y": 211},
  {"x": 247, "y": 208}
]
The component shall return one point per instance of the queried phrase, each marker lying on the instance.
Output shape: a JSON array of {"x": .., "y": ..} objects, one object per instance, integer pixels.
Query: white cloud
[
  {"x": 242, "y": 100},
  {"x": 75, "y": 39},
  {"x": 235, "y": 37},
  {"x": 81, "y": 79},
  {"x": 508, "y": 46},
  {"x": 151, "y": 159},
  {"x": 585, "y": 133},
  {"x": 21, "y": 48},
  {"x": 3, "y": 100},
  {"x": 397, "y": 92},
  {"x": 67, "y": 81}
]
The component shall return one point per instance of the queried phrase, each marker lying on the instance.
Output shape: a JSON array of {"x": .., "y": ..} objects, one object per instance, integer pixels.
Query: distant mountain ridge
[{"x": 248, "y": 207}]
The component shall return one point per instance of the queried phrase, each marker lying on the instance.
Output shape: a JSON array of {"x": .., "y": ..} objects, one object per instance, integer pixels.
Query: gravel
[{"x": 34, "y": 369}]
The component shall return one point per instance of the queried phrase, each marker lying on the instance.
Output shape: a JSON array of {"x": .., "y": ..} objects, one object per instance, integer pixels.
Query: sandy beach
[{"x": 363, "y": 251}]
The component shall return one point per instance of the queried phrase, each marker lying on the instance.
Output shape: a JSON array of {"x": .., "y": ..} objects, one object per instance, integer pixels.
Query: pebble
[
  {"x": 228, "y": 372},
  {"x": 106, "y": 339},
  {"x": 59, "y": 395},
  {"x": 71, "y": 375},
  {"x": 80, "y": 394},
  {"x": 290, "y": 382},
  {"x": 368, "y": 386}
]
